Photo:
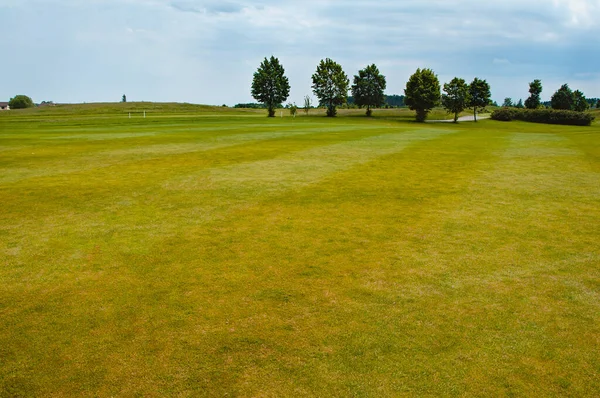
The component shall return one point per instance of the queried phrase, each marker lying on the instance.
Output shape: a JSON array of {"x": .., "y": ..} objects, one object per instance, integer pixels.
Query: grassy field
[{"x": 210, "y": 252}]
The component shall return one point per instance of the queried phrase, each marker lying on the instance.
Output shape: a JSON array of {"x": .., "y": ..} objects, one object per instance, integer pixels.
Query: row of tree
[
  {"x": 563, "y": 99},
  {"x": 330, "y": 84},
  {"x": 458, "y": 96},
  {"x": 271, "y": 87}
]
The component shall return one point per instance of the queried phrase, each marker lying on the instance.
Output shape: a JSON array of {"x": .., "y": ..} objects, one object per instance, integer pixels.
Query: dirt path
[{"x": 469, "y": 118}]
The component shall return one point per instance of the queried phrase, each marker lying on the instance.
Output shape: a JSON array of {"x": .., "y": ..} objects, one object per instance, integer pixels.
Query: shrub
[
  {"x": 503, "y": 114},
  {"x": 548, "y": 116},
  {"x": 20, "y": 102}
]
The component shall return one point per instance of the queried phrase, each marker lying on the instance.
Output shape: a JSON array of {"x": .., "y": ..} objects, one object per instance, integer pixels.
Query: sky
[{"x": 206, "y": 51}]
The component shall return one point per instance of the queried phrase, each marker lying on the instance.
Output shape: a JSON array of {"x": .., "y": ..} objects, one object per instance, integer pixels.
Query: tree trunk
[
  {"x": 475, "y": 114},
  {"x": 421, "y": 115}
]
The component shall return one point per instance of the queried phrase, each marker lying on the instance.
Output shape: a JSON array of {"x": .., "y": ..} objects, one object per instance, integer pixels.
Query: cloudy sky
[{"x": 205, "y": 51}]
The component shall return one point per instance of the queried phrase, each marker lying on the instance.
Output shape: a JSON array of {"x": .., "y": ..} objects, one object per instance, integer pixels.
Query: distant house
[{"x": 4, "y": 106}]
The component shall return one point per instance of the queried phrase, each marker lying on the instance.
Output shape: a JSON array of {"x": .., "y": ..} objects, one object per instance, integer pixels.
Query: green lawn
[{"x": 210, "y": 252}]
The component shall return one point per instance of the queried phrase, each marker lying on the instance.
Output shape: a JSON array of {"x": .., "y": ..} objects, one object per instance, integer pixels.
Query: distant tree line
[
  {"x": 255, "y": 105},
  {"x": 563, "y": 99},
  {"x": 390, "y": 101}
]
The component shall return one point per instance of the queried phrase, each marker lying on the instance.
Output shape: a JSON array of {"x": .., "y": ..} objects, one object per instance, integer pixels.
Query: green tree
[
  {"x": 368, "y": 88},
  {"x": 508, "y": 102},
  {"x": 422, "y": 93},
  {"x": 307, "y": 104},
  {"x": 270, "y": 85},
  {"x": 479, "y": 95},
  {"x": 535, "y": 89},
  {"x": 580, "y": 104},
  {"x": 330, "y": 85},
  {"x": 562, "y": 98},
  {"x": 598, "y": 104},
  {"x": 519, "y": 104},
  {"x": 293, "y": 109},
  {"x": 456, "y": 97},
  {"x": 124, "y": 98},
  {"x": 20, "y": 102}
]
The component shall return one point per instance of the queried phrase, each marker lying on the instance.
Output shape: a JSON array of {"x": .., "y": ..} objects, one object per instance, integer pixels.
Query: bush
[
  {"x": 503, "y": 114},
  {"x": 548, "y": 116},
  {"x": 20, "y": 102}
]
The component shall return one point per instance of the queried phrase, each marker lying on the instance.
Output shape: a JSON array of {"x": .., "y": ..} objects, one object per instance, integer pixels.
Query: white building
[{"x": 4, "y": 106}]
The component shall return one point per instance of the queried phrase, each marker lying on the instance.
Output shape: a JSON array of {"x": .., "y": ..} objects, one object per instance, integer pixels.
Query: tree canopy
[
  {"x": 562, "y": 98},
  {"x": 480, "y": 95},
  {"x": 422, "y": 93},
  {"x": 456, "y": 97},
  {"x": 535, "y": 89},
  {"x": 368, "y": 88},
  {"x": 330, "y": 85},
  {"x": 580, "y": 104},
  {"x": 270, "y": 86},
  {"x": 508, "y": 102},
  {"x": 20, "y": 102}
]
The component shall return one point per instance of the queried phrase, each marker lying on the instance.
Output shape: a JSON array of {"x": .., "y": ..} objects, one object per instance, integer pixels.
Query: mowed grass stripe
[
  {"x": 132, "y": 184},
  {"x": 119, "y": 205},
  {"x": 67, "y": 159},
  {"x": 298, "y": 169}
]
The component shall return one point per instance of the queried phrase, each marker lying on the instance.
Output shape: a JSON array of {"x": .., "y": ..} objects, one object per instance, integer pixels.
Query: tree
[
  {"x": 562, "y": 98},
  {"x": 535, "y": 89},
  {"x": 330, "y": 85},
  {"x": 508, "y": 103},
  {"x": 519, "y": 104},
  {"x": 368, "y": 88},
  {"x": 422, "y": 93},
  {"x": 456, "y": 98},
  {"x": 20, "y": 102},
  {"x": 480, "y": 95},
  {"x": 307, "y": 104},
  {"x": 580, "y": 104},
  {"x": 270, "y": 85},
  {"x": 124, "y": 99},
  {"x": 293, "y": 109},
  {"x": 598, "y": 104}
]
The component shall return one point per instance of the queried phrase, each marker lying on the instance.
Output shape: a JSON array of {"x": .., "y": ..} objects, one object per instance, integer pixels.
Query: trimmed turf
[{"x": 204, "y": 251}]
